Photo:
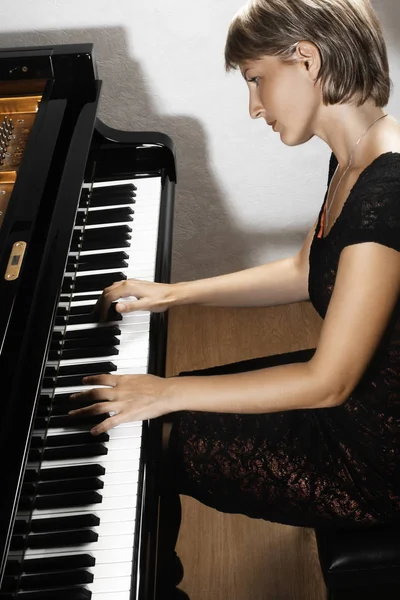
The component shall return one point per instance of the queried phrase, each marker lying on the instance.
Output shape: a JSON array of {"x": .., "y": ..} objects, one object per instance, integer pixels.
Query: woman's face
[{"x": 284, "y": 95}]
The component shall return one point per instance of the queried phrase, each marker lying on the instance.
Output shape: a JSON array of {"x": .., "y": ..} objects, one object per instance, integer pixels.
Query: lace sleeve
[{"x": 374, "y": 213}]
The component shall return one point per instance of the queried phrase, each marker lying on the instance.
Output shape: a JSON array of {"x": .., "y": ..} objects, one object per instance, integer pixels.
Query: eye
[{"x": 255, "y": 80}]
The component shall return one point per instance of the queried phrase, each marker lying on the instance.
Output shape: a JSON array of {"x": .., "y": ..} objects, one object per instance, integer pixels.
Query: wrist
[
  {"x": 180, "y": 294},
  {"x": 170, "y": 395}
]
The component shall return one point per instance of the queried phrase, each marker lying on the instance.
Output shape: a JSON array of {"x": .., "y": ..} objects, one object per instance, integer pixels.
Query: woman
[{"x": 310, "y": 438}]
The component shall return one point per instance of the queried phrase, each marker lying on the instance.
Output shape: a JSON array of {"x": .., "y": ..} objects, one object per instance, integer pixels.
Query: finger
[
  {"x": 99, "y": 408},
  {"x": 94, "y": 395},
  {"x": 123, "y": 307},
  {"x": 109, "y": 295},
  {"x": 107, "y": 424},
  {"x": 103, "y": 379}
]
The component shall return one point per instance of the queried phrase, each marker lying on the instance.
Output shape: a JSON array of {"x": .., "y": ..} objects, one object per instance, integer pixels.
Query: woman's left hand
[{"x": 130, "y": 398}]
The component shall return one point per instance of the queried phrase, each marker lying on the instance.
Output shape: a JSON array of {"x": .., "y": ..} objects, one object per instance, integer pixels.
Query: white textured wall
[{"x": 243, "y": 198}]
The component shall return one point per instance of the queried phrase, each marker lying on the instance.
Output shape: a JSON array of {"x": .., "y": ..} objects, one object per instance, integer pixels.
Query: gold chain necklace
[{"x": 328, "y": 208}]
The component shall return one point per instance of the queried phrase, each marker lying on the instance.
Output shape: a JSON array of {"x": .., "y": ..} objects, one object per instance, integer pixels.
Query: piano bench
[{"x": 361, "y": 564}]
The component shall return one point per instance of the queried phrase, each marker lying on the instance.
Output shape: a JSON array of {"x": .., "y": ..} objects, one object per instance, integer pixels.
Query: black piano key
[
  {"x": 51, "y": 502},
  {"x": 69, "y": 452},
  {"x": 63, "y": 407},
  {"x": 83, "y": 353},
  {"x": 95, "y": 332},
  {"x": 99, "y": 201},
  {"x": 73, "y": 594},
  {"x": 81, "y": 310},
  {"x": 62, "y": 538},
  {"x": 75, "y": 420},
  {"x": 76, "y": 319},
  {"x": 78, "y": 370},
  {"x": 112, "y": 189},
  {"x": 66, "y": 311},
  {"x": 36, "y": 454},
  {"x": 82, "y": 318},
  {"x": 102, "y": 244},
  {"x": 100, "y": 261},
  {"x": 90, "y": 342},
  {"x": 116, "y": 232},
  {"x": 9, "y": 586},
  {"x": 61, "y": 320},
  {"x": 103, "y": 235},
  {"x": 58, "y": 473},
  {"x": 66, "y": 485},
  {"x": 53, "y": 564},
  {"x": 66, "y": 380},
  {"x": 55, "y": 580},
  {"x": 13, "y": 567},
  {"x": 92, "y": 283},
  {"x": 90, "y": 317},
  {"x": 42, "y": 422},
  {"x": 64, "y": 523},
  {"x": 21, "y": 526},
  {"x": 120, "y": 233},
  {"x": 44, "y": 410},
  {"x": 68, "y": 500},
  {"x": 111, "y": 215},
  {"x": 115, "y": 264}
]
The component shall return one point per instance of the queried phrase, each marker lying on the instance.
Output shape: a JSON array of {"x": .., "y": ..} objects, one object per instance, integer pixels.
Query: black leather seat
[{"x": 361, "y": 564}]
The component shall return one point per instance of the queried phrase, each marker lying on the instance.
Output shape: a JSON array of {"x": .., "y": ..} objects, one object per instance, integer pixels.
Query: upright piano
[{"x": 81, "y": 206}]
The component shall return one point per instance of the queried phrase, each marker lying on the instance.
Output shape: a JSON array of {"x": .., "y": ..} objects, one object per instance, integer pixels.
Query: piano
[{"x": 81, "y": 205}]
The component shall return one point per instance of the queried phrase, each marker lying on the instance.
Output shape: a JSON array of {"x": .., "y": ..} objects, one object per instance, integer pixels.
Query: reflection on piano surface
[{"x": 82, "y": 205}]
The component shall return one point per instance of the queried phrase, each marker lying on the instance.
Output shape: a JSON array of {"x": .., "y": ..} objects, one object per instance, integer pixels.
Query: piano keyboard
[{"x": 77, "y": 516}]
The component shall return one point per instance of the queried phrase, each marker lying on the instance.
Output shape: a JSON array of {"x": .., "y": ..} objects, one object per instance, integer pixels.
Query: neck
[{"x": 341, "y": 126}]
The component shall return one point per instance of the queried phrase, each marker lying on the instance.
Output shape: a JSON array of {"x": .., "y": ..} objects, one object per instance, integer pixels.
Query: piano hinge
[{"x": 15, "y": 261}]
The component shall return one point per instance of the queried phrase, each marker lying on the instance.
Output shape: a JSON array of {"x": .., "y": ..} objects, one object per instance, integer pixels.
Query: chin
[{"x": 295, "y": 140}]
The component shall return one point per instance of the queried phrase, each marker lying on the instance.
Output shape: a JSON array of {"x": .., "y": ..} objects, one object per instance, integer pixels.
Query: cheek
[{"x": 293, "y": 98}]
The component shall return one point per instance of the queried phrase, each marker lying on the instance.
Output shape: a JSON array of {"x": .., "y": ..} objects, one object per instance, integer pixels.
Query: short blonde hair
[{"x": 347, "y": 34}]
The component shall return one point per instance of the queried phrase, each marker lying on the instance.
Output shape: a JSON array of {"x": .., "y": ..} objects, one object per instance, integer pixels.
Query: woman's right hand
[{"x": 155, "y": 297}]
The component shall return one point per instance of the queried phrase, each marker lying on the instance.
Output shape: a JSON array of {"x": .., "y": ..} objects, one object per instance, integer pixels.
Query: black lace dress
[{"x": 332, "y": 467}]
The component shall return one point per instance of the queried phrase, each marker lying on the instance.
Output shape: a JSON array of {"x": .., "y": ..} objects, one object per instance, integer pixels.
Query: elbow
[{"x": 331, "y": 391}]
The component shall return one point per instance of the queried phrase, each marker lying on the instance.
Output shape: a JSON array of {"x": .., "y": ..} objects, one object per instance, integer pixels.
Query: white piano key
[
  {"x": 103, "y": 543},
  {"x": 128, "y": 464},
  {"x": 110, "y": 503},
  {"x": 123, "y": 569},
  {"x": 125, "y": 595},
  {"x": 119, "y": 584},
  {"x": 107, "y": 516}
]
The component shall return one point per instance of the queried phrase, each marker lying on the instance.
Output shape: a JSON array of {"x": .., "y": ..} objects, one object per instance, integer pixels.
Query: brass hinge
[{"x": 15, "y": 261}]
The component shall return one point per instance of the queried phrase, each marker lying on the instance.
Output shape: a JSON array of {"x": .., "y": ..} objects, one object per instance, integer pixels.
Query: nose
[{"x": 256, "y": 109}]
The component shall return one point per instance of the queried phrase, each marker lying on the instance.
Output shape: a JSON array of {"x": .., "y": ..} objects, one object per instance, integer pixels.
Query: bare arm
[{"x": 279, "y": 282}]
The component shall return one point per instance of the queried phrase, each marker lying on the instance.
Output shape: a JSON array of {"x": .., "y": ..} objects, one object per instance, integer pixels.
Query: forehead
[{"x": 266, "y": 63}]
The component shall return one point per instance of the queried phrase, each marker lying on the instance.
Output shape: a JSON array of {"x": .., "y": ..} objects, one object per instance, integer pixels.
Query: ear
[{"x": 309, "y": 55}]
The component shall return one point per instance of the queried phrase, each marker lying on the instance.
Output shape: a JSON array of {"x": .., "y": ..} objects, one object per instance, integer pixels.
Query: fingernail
[
  {"x": 84, "y": 379},
  {"x": 120, "y": 307},
  {"x": 94, "y": 431},
  {"x": 71, "y": 412},
  {"x": 73, "y": 396}
]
